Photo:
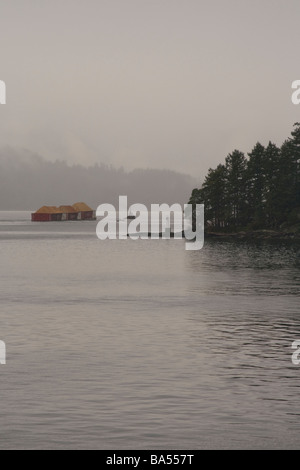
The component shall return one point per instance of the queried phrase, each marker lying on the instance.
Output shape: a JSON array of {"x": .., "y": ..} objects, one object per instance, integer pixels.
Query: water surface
[{"x": 142, "y": 345}]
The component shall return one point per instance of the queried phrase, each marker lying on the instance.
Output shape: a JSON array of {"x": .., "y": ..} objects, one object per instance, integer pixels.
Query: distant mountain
[{"x": 27, "y": 182}]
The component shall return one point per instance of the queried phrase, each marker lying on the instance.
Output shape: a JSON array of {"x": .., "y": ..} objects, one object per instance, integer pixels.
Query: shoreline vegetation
[{"x": 255, "y": 196}]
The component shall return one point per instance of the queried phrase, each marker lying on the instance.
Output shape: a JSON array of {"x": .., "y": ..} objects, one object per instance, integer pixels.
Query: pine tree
[
  {"x": 235, "y": 189},
  {"x": 295, "y": 142},
  {"x": 261, "y": 192},
  {"x": 213, "y": 192},
  {"x": 197, "y": 197},
  {"x": 287, "y": 182},
  {"x": 271, "y": 171},
  {"x": 255, "y": 186}
]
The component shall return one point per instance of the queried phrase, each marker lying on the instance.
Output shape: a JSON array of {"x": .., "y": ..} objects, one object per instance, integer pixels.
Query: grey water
[{"x": 124, "y": 344}]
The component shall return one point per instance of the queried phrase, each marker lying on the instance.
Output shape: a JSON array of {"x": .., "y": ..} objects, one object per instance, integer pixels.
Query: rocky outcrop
[{"x": 256, "y": 235}]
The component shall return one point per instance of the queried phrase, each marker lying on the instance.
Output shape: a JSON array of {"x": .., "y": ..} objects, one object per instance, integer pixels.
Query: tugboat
[{"x": 131, "y": 217}]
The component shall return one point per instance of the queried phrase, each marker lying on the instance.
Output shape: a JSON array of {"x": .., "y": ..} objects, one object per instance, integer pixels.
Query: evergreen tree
[
  {"x": 235, "y": 189},
  {"x": 197, "y": 197},
  {"x": 271, "y": 171},
  {"x": 295, "y": 142},
  {"x": 262, "y": 192},
  {"x": 255, "y": 186},
  {"x": 213, "y": 192},
  {"x": 287, "y": 182}
]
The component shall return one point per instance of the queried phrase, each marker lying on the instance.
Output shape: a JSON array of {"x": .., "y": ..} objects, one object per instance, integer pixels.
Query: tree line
[
  {"x": 258, "y": 192},
  {"x": 28, "y": 181}
]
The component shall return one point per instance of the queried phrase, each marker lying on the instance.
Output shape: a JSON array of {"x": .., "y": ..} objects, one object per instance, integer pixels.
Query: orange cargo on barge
[{"x": 79, "y": 211}]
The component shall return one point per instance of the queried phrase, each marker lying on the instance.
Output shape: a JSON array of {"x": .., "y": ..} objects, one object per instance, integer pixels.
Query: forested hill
[
  {"x": 28, "y": 182},
  {"x": 257, "y": 191}
]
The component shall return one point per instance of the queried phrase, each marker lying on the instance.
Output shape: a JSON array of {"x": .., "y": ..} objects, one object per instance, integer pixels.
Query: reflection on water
[
  {"x": 141, "y": 344},
  {"x": 260, "y": 267}
]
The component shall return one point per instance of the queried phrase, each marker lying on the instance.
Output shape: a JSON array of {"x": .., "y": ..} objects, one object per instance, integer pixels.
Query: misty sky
[{"x": 172, "y": 84}]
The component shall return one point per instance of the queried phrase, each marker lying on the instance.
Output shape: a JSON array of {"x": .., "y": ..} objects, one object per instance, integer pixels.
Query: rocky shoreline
[
  {"x": 242, "y": 235},
  {"x": 255, "y": 235}
]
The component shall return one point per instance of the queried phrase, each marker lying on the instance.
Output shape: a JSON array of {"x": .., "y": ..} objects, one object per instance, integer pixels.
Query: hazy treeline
[
  {"x": 28, "y": 182},
  {"x": 261, "y": 191}
]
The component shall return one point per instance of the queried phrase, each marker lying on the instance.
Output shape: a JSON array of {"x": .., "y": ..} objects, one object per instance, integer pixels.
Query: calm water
[{"x": 141, "y": 344}]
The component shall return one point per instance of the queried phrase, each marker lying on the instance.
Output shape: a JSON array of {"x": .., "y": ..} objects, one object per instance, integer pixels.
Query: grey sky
[{"x": 148, "y": 83}]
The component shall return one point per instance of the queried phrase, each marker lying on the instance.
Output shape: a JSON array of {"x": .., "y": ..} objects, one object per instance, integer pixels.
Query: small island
[{"x": 254, "y": 197}]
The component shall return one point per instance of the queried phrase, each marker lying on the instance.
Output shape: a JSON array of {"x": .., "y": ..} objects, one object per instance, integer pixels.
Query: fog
[
  {"x": 27, "y": 182},
  {"x": 147, "y": 83}
]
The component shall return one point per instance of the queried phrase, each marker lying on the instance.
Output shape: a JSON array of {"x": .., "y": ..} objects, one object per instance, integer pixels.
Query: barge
[{"x": 79, "y": 211}]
